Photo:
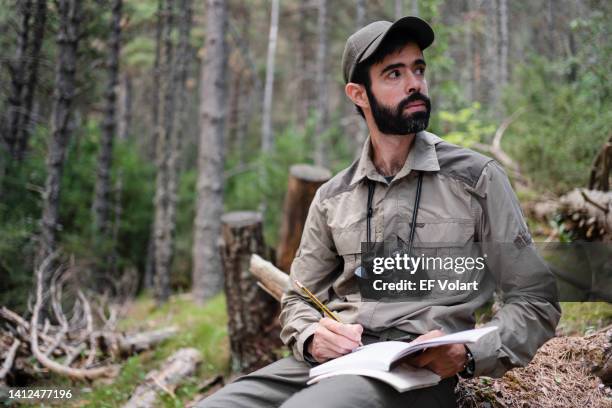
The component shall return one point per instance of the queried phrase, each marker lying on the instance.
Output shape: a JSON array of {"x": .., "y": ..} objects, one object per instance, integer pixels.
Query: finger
[
  {"x": 350, "y": 331},
  {"x": 430, "y": 335},
  {"x": 424, "y": 359},
  {"x": 335, "y": 341}
]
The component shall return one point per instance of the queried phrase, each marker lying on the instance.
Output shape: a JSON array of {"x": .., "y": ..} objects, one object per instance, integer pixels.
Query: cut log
[
  {"x": 177, "y": 367},
  {"x": 270, "y": 278},
  {"x": 304, "y": 180},
  {"x": 252, "y": 326}
]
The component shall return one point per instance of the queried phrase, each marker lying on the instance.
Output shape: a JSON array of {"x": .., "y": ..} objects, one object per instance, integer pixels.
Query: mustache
[{"x": 415, "y": 97}]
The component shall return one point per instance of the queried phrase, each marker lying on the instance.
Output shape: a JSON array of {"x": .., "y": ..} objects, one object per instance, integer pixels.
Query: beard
[{"x": 393, "y": 121}]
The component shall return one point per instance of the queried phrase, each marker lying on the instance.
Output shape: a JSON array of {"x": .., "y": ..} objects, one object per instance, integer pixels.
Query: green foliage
[
  {"x": 264, "y": 179},
  {"x": 465, "y": 126},
  {"x": 21, "y": 206},
  {"x": 567, "y": 111}
]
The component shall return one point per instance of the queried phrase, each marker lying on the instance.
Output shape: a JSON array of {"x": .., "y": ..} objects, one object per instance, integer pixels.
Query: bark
[
  {"x": 207, "y": 272},
  {"x": 17, "y": 69},
  {"x": 415, "y": 7},
  {"x": 102, "y": 199},
  {"x": 125, "y": 107},
  {"x": 271, "y": 279},
  {"x": 321, "y": 84},
  {"x": 156, "y": 76},
  {"x": 181, "y": 364},
  {"x": 148, "y": 281},
  {"x": 601, "y": 169},
  {"x": 490, "y": 72},
  {"x": 67, "y": 43},
  {"x": 25, "y": 126},
  {"x": 183, "y": 59},
  {"x": 163, "y": 247},
  {"x": 267, "y": 137},
  {"x": 251, "y": 312},
  {"x": 304, "y": 180},
  {"x": 503, "y": 43},
  {"x": 304, "y": 64},
  {"x": 360, "y": 14},
  {"x": 399, "y": 9}
]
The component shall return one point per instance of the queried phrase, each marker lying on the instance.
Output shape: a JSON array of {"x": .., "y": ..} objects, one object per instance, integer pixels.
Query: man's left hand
[{"x": 446, "y": 361}]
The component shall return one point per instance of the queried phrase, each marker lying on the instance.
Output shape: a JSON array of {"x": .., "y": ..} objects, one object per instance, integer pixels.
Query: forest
[{"x": 158, "y": 159}]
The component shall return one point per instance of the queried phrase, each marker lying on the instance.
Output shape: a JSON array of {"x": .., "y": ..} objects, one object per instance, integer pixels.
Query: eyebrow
[{"x": 388, "y": 68}]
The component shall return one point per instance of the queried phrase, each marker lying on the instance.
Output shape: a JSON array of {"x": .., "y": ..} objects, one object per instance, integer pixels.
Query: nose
[{"x": 413, "y": 84}]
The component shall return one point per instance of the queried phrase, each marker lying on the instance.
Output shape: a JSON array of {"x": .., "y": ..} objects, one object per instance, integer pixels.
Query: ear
[{"x": 357, "y": 94}]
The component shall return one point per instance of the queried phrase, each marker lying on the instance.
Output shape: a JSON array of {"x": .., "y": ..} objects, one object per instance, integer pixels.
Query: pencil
[{"x": 318, "y": 303}]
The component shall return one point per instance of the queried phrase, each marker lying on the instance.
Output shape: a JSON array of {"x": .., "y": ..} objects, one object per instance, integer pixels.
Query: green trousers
[{"x": 283, "y": 384}]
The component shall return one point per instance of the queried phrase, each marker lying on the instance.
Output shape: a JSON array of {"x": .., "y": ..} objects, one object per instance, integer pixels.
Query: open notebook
[{"x": 376, "y": 361}]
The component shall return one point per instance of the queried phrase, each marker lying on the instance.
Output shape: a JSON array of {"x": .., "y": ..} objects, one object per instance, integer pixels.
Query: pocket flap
[
  {"x": 348, "y": 241},
  {"x": 441, "y": 234}
]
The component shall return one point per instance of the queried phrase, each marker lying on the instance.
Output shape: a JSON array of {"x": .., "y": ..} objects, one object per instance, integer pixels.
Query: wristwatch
[{"x": 470, "y": 365}]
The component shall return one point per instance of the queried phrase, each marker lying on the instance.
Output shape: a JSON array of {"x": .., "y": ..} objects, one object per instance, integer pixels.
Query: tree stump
[
  {"x": 252, "y": 323},
  {"x": 304, "y": 180}
]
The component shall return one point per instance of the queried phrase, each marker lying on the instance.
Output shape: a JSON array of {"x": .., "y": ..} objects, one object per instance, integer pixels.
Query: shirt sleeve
[
  {"x": 530, "y": 310},
  {"x": 314, "y": 266}
]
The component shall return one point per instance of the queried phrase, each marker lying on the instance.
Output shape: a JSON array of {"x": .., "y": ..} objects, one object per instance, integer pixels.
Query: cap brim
[{"x": 417, "y": 29}]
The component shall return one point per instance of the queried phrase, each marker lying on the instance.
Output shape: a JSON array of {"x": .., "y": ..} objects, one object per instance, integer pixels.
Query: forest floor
[{"x": 205, "y": 328}]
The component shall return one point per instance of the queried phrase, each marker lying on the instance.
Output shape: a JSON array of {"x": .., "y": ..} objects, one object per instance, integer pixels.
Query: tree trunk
[
  {"x": 399, "y": 9},
  {"x": 503, "y": 43},
  {"x": 163, "y": 244},
  {"x": 304, "y": 180},
  {"x": 183, "y": 59},
  {"x": 321, "y": 84},
  {"x": 25, "y": 126},
  {"x": 251, "y": 312},
  {"x": 304, "y": 64},
  {"x": 125, "y": 107},
  {"x": 67, "y": 43},
  {"x": 17, "y": 69},
  {"x": 415, "y": 7},
  {"x": 267, "y": 137},
  {"x": 102, "y": 201},
  {"x": 149, "y": 277},
  {"x": 360, "y": 15},
  {"x": 207, "y": 272}
]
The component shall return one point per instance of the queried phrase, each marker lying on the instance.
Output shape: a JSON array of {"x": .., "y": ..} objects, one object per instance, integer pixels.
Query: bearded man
[{"x": 466, "y": 198}]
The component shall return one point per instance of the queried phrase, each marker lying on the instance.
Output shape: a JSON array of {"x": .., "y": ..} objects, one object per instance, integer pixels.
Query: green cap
[{"x": 366, "y": 41}]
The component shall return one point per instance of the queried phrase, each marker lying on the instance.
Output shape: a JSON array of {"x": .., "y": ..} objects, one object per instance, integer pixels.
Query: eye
[
  {"x": 420, "y": 71},
  {"x": 394, "y": 74}
]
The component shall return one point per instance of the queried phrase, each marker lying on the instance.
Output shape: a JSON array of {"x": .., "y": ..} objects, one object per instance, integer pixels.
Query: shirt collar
[{"x": 422, "y": 157}]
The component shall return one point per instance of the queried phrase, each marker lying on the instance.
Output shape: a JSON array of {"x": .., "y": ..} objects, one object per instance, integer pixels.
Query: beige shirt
[{"x": 466, "y": 197}]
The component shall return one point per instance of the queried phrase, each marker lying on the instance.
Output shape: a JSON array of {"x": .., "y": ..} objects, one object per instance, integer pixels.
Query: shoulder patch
[
  {"x": 340, "y": 183},
  {"x": 461, "y": 163}
]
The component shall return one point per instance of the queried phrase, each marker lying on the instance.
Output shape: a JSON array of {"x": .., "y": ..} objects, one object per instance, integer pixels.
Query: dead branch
[
  {"x": 74, "y": 373},
  {"x": 9, "y": 359},
  {"x": 176, "y": 368}
]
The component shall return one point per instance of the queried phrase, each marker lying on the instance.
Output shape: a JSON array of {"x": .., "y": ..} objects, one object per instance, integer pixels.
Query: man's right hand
[{"x": 332, "y": 339}]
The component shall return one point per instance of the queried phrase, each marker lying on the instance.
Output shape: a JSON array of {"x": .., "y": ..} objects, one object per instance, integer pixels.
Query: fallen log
[
  {"x": 270, "y": 278},
  {"x": 177, "y": 367}
]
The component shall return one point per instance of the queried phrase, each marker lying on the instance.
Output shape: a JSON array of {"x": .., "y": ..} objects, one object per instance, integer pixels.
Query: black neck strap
[{"x": 370, "y": 211}]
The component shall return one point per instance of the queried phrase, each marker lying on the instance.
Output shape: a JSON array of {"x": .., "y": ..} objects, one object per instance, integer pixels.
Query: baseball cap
[{"x": 366, "y": 41}]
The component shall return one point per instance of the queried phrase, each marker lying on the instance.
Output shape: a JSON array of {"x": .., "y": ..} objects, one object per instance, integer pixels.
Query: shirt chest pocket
[
  {"x": 348, "y": 245},
  {"x": 441, "y": 244}
]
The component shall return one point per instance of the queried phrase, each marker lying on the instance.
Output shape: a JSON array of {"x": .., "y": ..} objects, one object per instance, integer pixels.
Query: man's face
[{"x": 398, "y": 93}]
